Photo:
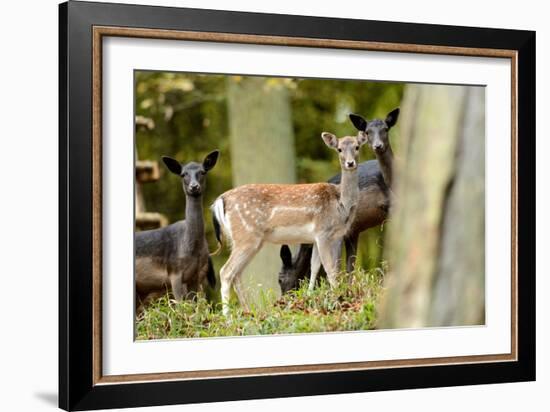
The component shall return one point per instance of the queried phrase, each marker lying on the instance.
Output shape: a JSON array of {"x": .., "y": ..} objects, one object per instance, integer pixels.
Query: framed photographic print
[{"x": 257, "y": 205}]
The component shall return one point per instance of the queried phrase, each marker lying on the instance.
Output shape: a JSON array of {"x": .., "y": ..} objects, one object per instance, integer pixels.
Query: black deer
[{"x": 175, "y": 258}]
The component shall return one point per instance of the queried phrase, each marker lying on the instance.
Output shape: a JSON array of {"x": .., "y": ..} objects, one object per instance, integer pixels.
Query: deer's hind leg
[{"x": 231, "y": 271}]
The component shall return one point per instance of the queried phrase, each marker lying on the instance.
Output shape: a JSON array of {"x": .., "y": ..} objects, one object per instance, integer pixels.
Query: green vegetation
[{"x": 350, "y": 306}]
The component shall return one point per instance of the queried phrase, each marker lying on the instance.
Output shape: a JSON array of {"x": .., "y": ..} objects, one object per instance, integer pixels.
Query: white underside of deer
[{"x": 318, "y": 213}]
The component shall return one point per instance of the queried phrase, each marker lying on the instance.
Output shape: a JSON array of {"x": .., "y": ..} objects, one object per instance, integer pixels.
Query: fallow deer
[{"x": 318, "y": 213}]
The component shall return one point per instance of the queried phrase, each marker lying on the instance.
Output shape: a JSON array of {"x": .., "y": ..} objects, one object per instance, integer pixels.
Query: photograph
[
  {"x": 258, "y": 205},
  {"x": 287, "y": 205}
]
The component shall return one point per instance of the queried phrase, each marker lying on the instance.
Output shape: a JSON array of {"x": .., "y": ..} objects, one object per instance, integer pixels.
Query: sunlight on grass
[{"x": 350, "y": 306}]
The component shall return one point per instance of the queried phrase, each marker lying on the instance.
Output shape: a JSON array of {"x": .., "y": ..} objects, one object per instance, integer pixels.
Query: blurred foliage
[{"x": 187, "y": 118}]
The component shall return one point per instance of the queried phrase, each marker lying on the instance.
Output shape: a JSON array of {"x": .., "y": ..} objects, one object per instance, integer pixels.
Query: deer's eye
[
  {"x": 356, "y": 147},
  {"x": 340, "y": 150}
]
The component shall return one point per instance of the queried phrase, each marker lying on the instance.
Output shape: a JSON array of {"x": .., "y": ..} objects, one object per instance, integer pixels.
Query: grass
[{"x": 349, "y": 306}]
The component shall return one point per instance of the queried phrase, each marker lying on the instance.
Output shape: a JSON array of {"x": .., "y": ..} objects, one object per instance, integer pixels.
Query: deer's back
[
  {"x": 280, "y": 212},
  {"x": 260, "y": 198},
  {"x": 159, "y": 243}
]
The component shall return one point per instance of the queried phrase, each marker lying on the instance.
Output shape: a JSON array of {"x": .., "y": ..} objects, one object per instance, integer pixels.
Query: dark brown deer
[
  {"x": 375, "y": 199},
  {"x": 175, "y": 258}
]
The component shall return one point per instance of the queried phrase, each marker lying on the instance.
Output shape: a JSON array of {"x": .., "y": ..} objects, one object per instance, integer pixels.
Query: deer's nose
[
  {"x": 350, "y": 163},
  {"x": 378, "y": 146},
  {"x": 194, "y": 186}
]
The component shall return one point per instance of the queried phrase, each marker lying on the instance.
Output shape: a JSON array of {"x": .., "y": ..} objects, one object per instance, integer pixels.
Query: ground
[{"x": 350, "y": 306}]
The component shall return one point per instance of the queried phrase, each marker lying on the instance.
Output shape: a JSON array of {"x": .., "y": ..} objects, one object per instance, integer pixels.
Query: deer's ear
[
  {"x": 359, "y": 123},
  {"x": 362, "y": 138},
  {"x": 172, "y": 164},
  {"x": 330, "y": 140},
  {"x": 210, "y": 160},
  {"x": 391, "y": 118},
  {"x": 286, "y": 256}
]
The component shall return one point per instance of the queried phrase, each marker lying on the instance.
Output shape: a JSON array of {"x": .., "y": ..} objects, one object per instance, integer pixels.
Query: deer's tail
[{"x": 221, "y": 225}]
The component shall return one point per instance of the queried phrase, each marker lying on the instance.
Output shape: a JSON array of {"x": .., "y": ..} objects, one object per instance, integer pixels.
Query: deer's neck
[
  {"x": 349, "y": 189},
  {"x": 385, "y": 160},
  {"x": 194, "y": 221}
]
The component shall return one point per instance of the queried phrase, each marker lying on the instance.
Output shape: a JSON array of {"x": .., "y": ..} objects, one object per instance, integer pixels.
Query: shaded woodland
[{"x": 268, "y": 131}]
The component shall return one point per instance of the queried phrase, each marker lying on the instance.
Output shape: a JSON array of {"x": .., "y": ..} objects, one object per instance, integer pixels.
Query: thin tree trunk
[
  {"x": 435, "y": 245},
  {"x": 262, "y": 151}
]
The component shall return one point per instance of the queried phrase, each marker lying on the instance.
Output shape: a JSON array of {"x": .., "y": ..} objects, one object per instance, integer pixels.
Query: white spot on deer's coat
[{"x": 243, "y": 219}]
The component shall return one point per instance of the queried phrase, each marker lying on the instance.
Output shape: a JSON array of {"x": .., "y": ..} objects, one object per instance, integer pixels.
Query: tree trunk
[
  {"x": 262, "y": 151},
  {"x": 436, "y": 242}
]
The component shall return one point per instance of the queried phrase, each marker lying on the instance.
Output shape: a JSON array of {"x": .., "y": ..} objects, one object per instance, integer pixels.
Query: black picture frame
[{"x": 77, "y": 390}]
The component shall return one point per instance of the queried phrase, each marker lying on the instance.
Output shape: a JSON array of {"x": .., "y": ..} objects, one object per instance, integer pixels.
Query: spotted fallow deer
[{"x": 317, "y": 213}]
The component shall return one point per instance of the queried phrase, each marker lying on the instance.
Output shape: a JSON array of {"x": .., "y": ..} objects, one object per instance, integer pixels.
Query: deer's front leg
[
  {"x": 337, "y": 254},
  {"x": 179, "y": 289},
  {"x": 351, "y": 242},
  {"x": 315, "y": 266},
  {"x": 329, "y": 252}
]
